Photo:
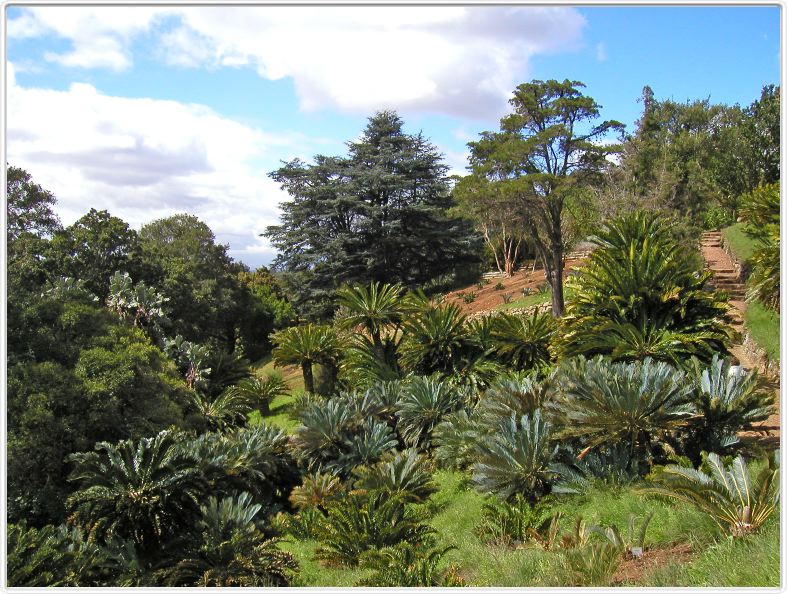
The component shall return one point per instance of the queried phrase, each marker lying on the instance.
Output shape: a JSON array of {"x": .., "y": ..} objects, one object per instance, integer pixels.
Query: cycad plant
[
  {"x": 260, "y": 392},
  {"x": 516, "y": 459},
  {"x": 729, "y": 401},
  {"x": 760, "y": 209},
  {"x": 737, "y": 503},
  {"x": 512, "y": 394},
  {"x": 423, "y": 404},
  {"x": 436, "y": 338},
  {"x": 513, "y": 522},
  {"x": 228, "y": 409},
  {"x": 228, "y": 549},
  {"x": 407, "y": 474},
  {"x": 636, "y": 404},
  {"x": 641, "y": 294},
  {"x": 143, "y": 491},
  {"x": 455, "y": 439},
  {"x": 305, "y": 346},
  {"x": 365, "y": 521},
  {"x": 522, "y": 342},
  {"x": 407, "y": 565},
  {"x": 377, "y": 309},
  {"x": 316, "y": 491}
]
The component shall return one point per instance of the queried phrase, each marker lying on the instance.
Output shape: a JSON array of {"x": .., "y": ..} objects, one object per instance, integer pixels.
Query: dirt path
[{"x": 725, "y": 277}]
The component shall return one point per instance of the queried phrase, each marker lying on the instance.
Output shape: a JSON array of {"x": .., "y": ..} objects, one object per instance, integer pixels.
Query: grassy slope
[
  {"x": 280, "y": 406},
  {"x": 762, "y": 323},
  {"x": 456, "y": 512}
]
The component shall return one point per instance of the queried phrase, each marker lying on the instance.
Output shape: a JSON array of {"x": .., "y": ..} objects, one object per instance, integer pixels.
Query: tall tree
[
  {"x": 207, "y": 302},
  {"x": 93, "y": 248},
  {"x": 547, "y": 151},
  {"x": 378, "y": 214}
]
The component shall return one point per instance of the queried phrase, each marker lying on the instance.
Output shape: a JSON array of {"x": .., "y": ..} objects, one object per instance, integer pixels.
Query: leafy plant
[
  {"x": 306, "y": 346},
  {"x": 637, "y": 404},
  {"x": 455, "y": 439},
  {"x": 507, "y": 297},
  {"x": 362, "y": 522},
  {"x": 500, "y": 287},
  {"x": 316, "y": 491},
  {"x": 728, "y": 402},
  {"x": 435, "y": 338},
  {"x": 522, "y": 342},
  {"x": 634, "y": 539},
  {"x": 514, "y": 394},
  {"x": 406, "y": 565},
  {"x": 260, "y": 392},
  {"x": 407, "y": 474},
  {"x": 229, "y": 550},
  {"x": 229, "y": 409},
  {"x": 423, "y": 404},
  {"x": 642, "y": 294},
  {"x": 516, "y": 459},
  {"x": 469, "y": 297},
  {"x": 591, "y": 565},
  {"x": 141, "y": 491},
  {"x": 738, "y": 504},
  {"x": 511, "y": 523}
]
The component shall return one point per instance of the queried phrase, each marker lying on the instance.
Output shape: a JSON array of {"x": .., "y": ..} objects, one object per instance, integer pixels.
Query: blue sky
[{"x": 148, "y": 111}]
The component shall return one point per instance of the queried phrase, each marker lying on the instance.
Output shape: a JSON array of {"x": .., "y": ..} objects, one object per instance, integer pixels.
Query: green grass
[
  {"x": 741, "y": 244},
  {"x": 751, "y": 561},
  {"x": 763, "y": 324},
  {"x": 455, "y": 511},
  {"x": 528, "y": 300},
  {"x": 280, "y": 406}
]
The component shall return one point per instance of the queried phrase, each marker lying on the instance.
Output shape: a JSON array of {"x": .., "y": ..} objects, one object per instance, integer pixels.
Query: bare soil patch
[{"x": 631, "y": 571}]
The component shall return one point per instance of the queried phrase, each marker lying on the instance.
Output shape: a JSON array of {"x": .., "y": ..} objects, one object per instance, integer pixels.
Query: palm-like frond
[
  {"x": 435, "y": 337},
  {"x": 728, "y": 401},
  {"x": 637, "y": 404},
  {"x": 522, "y": 342},
  {"x": 516, "y": 459},
  {"x": 641, "y": 294},
  {"x": 141, "y": 491},
  {"x": 316, "y": 490},
  {"x": 735, "y": 502},
  {"x": 407, "y": 474},
  {"x": 366, "y": 521},
  {"x": 305, "y": 346},
  {"x": 375, "y": 308},
  {"x": 424, "y": 403}
]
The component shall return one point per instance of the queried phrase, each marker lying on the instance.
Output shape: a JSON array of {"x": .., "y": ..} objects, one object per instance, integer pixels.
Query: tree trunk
[
  {"x": 308, "y": 378},
  {"x": 553, "y": 268}
]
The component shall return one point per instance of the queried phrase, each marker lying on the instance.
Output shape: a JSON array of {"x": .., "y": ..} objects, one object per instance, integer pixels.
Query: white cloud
[
  {"x": 601, "y": 52},
  {"x": 458, "y": 60},
  {"x": 142, "y": 159}
]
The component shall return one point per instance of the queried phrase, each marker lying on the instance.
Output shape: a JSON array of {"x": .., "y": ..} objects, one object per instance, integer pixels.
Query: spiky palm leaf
[
  {"x": 455, "y": 439},
  {"x": 141, "y": 491},
  {"x": 376, "y": 308},
  {"x": 514, "y": 394},
  {"x": 260, "y": 392},
  {"x": 231, "y": 551},
  {"x": 735, "y": 502},
  {"x": 407, "y": 474},
  {"x": 316, "y": 490},
  {"x": 305, "y": 346},
  {"x": 422, "y": 406},
  {"x": 641, "y": 294},
  {"x": 516, "y": 459},
  {"x": 728, "y": 402},
  {"x": 637, "y": 404},
  {"x": 365, "y": 521},
  {"x": 435, "y": 338},
  {"x": 374, "y": 439},
  {"x": 523, "y": 342},
  {"x": 229, "y": 409},
  {"x": 406, "y": 565}
]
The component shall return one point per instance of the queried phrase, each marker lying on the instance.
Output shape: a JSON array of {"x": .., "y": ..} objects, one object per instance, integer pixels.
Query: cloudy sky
[{"x": 149, "y": 111}]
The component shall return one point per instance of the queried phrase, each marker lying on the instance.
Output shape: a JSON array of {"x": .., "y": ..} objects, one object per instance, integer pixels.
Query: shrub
[
  {"x": 728, "y": 402},
  {"x": 760, "y": 209},
  {"x": 634, "y": 539},
  {"x": 735, "y": 502},
  {"x": 406, "y": 565},
  {"x": 522, "y": 342},
  {"x": 423, "y": 405},
  {"x": 511, "y": 523},
  {"x": 455, "y": 439},
  {"x": 500, "y": 287},
  {"x": 365, "y": 521},
  {"x": 642, "y": 294},
  {"x": 436, "y": 337},
  {"x": 636, "y": 404},
  {"x": 507, "y": 297},
  {"x": 516, "y": 459},
  {"x": 469, "y": 297},
  {"x": 406, "y": 474},
  {"x": 591, "y": 565},
  {"x": 515, "y": 394},
  {"x": 316, "y": 491}
]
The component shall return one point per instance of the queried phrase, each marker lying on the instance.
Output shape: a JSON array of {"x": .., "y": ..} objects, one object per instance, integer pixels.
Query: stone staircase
[{"x": 725, "y": 277}]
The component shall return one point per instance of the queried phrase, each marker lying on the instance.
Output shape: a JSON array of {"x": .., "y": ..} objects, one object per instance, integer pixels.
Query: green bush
[{"x": 361, "y": 522}]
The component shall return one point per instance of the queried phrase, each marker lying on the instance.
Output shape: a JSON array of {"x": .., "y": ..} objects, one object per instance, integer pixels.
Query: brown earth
[
  {"x": 725, "y": 276},
  {"x": 631, "y": 571},
  {"x": 488, "y": 298}
]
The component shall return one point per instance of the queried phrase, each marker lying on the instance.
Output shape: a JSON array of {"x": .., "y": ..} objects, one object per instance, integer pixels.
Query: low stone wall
[
  {"x": 764, "y": 364},
  {"x": 517, "y": 311},
  {"x": 741, "y": 269}
]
